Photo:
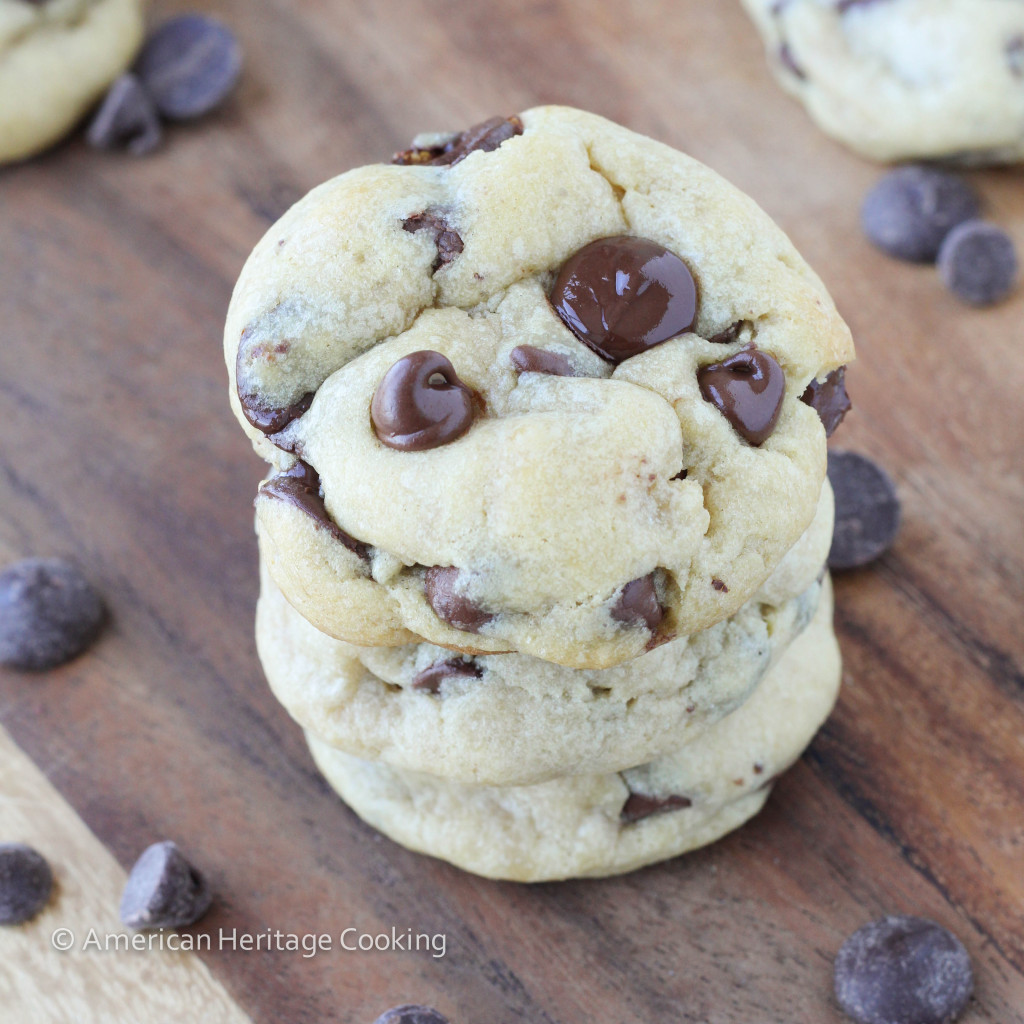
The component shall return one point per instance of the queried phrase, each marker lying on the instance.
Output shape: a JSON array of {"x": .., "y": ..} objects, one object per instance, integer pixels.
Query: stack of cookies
[{"x": 543, "y": 541}]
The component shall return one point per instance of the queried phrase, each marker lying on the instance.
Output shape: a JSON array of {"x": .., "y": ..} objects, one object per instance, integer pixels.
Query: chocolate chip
[
  {"x": 638, "y": 605},
  {"x": 163, "y": 890},
  {"x": 720, "y": 586},
  {"x": 300, "y": 486},
  {"x": 527, "y": 359},
  {"x": 189, "y": 65},
  {"x": 273, "y": 421},
  {"x": 903, "y": 970},
  {"x": 420, "y": 403},
  {"x": 623, "y": 295},
  {"x": 639, "y": 806},
  {"x": 828, "y": 398},
  {"x": 446, "y": 239},
  {"x": 747, "y": 389},
  {"x": 867, "y": 510},
  {"x": 454, "y": 608},
  {"x": 912, "y": 209},
  {"x": 126, "y": 117},
  {"x": 25, "y": 883},
  {"x": 411, "y": 1015},
  {"x": 49, "y": 613},
  {"x": 484, "y": 137},
  {"x": 431, "y": 678},
  {"x": 730, "y": 334},
  {"x": 978, "y": 263}
]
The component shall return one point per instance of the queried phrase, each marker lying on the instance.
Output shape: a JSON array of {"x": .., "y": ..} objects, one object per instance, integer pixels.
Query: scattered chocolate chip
[
  {"x": 788, "y": 60},
  {"x": 420, "y": 403},
  {"x": 639, "y": 806},
  {"x": 49, "y": 614},
  {"x": 447, "y": 240},
  {"x": 903, "y": 970},
  {"x": 638, "y": 605},
  {"x": 730, "y": 334},
  {"x": 828, "y": 398},
  {"x": 485, "y": 137},
  {"x": 747, "y": 389},
  {"x": 411, "y": 1015},
  {"x": 300, "y": 485},
  {"x": 454, "y": 608},
  {"x": 527, "y": 359},
  {"x": 867, "y": 510},
  {"x": 623, "y": 295},
  {"x": 431, "y": 678},
  {"x": 912, "y": 209},
  {"x": 720, "y": 586},
  {"x": 25, "y": 883},
  {"x": 126, "y": 117},
  {"x": 189, "y": 65},
  {"x": 163, "y": 890},
  {"x": 978, "y": 263}
]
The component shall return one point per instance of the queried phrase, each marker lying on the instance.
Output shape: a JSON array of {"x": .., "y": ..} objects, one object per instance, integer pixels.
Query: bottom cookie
[{"x": 594, "y": 825}]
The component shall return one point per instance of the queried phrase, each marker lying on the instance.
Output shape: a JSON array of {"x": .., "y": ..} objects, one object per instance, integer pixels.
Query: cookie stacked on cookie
[{"x": 543, "y": 540}]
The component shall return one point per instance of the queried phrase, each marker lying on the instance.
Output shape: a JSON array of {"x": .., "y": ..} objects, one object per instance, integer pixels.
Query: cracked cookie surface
[
  {"x": 604, "y": 824},
  {"x": 579, "y": 517},
  {"x": 904, "y": 79},
  {"x": 56, "y": 59}
]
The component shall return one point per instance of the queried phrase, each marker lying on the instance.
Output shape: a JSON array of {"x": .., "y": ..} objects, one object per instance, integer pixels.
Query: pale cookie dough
[
  {"x": 593, "y": 825},
  {"x": 905, "y": 79},
  {"x": 582, "y": 518},
  {"x": 57, "y": 58},
  {"x": 510, "y": 719}
]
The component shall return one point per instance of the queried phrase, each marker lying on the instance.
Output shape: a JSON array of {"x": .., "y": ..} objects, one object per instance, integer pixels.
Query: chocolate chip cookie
[
  {"x": 544, "y": 386},
  {"x": 57, "y": 57},
  {"x": 904, "y": 79}
]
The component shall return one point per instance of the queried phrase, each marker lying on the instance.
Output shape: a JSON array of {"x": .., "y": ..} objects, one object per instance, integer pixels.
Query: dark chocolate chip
[
  {"x": 720, "y": 586},
  {"x": 454, "y": 608},
  {"x": 867, "y": 510},
  {"x": 49, "y": 614},
  {"x": 747, "y": 389},
  {"x": 447, "y": 240},
  {"x": 189, "y": 65},
  {"x": 789, "y": 62},
  {"x": 485, "y": 137},
  {"x": 638, "y": 605},
  {"x": 126, "y": 117},
  {"x": 903, "y": 970},
  {"x": 730, "y": 334},
  {"x": 623, "y": 295},
  {"x": 411, "y": 1015},
  {"x": 163, "y": 890},
  {"x": 978, "y": 263},
  {"x": 263, "y": 417},
  {"x": 25, "y": 883},
  {"x": 527, "y": 359},
  {"x": 300, "y": 486},
  {"x": 828, "y": 398},
  {"x": 639, "y": 806},
  {"x": 420, "y": 403},
  {"x": 431, "y": 678},
  {"x": 912, "y": 209},
  {"x": 273, "y": 421}
]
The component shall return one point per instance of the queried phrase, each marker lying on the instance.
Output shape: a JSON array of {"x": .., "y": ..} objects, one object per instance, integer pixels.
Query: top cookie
[
  {"x": 545, "y": 381},
  {"x": 56, "y": 59},
  {"x": 905, "y": 79}
]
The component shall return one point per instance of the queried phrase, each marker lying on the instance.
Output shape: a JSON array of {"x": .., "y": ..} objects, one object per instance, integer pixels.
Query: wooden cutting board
[{"x": 118, "y": 450}]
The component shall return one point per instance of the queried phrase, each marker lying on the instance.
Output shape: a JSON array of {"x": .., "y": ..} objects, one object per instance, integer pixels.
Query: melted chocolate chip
[
  {"x": 485, "y": 137},
  {"x": 272, "y": 421},
  {"x": 446, "y": 239},
  {"x": 903, "y": 969},
  {"x": 528, "y": 359},
  {"x": 263, "y": 417},
  {"x": 300, "y": 485},
  {"x": 455, "y": 609},
  {"x": 747, "y": 388},
  {"x": 828, "y": 398},
  {"x": 623, "y": 295},
  {"x": 638, "y": 604},
  {"x": 730, "y": 334},
  {"x": 639, "y": 806},
  {"x": 420, "y": 403},
  {"x": 431, "y": 678}
]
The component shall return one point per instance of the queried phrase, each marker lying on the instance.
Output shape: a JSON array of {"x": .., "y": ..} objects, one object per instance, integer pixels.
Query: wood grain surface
[{"x": 118, "y": 449}]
